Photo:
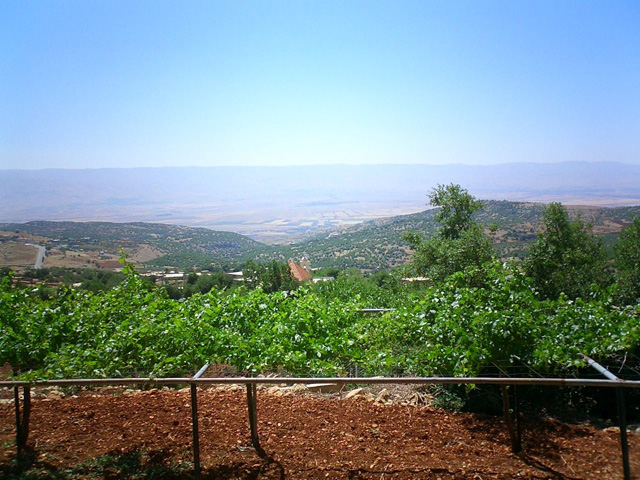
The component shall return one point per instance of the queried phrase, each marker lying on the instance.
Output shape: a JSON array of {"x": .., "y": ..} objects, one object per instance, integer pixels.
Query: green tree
[
  {"x": 6, "y": 272},
  {"x": 627, "y": 252},
  {"x": 457, "y": 207},
  {"x": 271, "y": 277},
  {"x": 174, "y": 292},
  {"x": 566, "y": 258},
  {"x": 192, "y": 278},
  {"x": 460, "y": 242}
]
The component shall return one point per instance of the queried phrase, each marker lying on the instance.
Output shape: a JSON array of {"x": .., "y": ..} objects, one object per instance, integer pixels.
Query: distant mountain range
[{"x": 284, "y": 204}]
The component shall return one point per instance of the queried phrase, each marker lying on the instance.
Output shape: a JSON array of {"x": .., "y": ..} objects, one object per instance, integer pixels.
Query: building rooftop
[{"x": 297, "y": 272}]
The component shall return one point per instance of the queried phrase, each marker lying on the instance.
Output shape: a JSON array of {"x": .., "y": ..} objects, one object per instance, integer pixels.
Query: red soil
[{"x": 311, "y": 437}]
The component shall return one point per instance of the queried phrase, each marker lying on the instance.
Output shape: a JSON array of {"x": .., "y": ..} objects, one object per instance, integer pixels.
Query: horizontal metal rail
[{"x": 557, "y": 382}]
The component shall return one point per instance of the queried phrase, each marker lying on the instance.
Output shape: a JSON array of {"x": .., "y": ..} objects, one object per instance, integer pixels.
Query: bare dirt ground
[
  {"x": 304, "y": 436},
  {"x": 70, "y": 259},
  {"x": 145, "y": 253},
  {"x": 17, "y": 254}
]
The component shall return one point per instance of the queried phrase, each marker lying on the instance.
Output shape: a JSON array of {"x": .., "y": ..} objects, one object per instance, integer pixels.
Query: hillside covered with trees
[
  {"x": 379, "y": 244},
  {"x": 183, "y": 247},
  {"x": 369, "y": 246}
]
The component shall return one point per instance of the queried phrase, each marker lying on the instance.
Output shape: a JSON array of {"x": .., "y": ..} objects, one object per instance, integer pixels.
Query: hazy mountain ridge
[{"x": 279, "y": 204}]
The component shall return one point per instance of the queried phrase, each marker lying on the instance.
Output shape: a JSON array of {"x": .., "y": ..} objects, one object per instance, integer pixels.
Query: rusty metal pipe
[
  {"x": 427, "y": 380},
  {"x": 557, "y": 382}
]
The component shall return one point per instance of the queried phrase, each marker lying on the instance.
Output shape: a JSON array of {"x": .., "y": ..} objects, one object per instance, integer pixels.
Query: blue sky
[{"x": 158, "y": 83}]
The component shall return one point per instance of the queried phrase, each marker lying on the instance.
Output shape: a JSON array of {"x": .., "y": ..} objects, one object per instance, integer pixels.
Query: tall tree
[
  {"x": 459, "y": 243},
  {"x": 627, "y": 252},
  {"x": 566, "y": 258},
  {"x": 271, "y": 277},
  {"x": 457, "y": 207}
]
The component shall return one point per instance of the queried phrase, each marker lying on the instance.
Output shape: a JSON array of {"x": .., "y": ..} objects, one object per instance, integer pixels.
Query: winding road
[{"x": 41, "y": 253}]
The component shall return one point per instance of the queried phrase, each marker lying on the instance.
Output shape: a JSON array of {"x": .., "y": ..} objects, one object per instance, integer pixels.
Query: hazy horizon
[{"x": 273, "y": 203}]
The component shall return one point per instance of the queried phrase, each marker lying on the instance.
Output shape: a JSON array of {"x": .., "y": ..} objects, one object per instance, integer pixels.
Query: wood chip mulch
[{"x": 310, "y": 437}]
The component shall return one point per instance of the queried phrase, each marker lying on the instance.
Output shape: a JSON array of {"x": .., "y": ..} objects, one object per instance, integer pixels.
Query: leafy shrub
[{"x": 452, "y": 328}]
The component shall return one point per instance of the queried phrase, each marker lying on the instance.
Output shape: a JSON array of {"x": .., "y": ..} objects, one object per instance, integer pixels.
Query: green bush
[{"x": 451, "y": 328}]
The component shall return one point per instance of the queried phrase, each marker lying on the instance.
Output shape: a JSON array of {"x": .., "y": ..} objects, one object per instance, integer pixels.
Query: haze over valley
[{"x": 286, "y": 204}]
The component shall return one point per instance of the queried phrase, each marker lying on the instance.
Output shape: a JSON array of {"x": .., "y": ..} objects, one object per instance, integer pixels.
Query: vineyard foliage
[{"x": 449, "y": 328}]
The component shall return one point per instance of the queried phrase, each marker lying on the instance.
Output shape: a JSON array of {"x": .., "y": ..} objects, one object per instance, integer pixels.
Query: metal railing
[
  {"x": 22, "y": 424},
  {"x": 552, "y": 382}
]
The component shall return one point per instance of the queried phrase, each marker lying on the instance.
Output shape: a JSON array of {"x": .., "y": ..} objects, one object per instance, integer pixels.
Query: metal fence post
[
  {"x": 22, "y": 420},
  {"x": 516, "y": 413},
  {"x": 16, "y": 401},
  {"x": 252, "y": 400},
  {"x": 196, "y": 437},
  {"x": 624, "y": 443},
  {"x": 26, "y": 414},
  {"x": 622, "y": 413},
  {"x": 194, "y": 421}
]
